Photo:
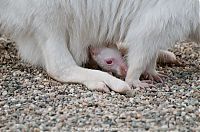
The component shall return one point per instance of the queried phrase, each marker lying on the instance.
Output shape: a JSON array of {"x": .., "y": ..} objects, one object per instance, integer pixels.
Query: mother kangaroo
[{"x": 56, "y": 34}]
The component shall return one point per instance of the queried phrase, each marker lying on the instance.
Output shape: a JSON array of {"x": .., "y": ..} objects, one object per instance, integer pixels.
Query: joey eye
[{"x": 109, "y": 62}]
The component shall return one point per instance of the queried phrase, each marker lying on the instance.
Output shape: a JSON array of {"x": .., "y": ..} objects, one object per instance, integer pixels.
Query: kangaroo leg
[{"x": 61, "y": 66}]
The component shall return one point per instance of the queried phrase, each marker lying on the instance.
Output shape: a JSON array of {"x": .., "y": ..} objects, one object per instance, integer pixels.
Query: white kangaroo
[{"x": 56, "y": 34}]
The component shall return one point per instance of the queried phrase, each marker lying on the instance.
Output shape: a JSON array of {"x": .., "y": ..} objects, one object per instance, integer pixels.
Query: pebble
[
  {"x": 71, "y": 90},
  {"x": 131, "y": 100},
  {"x": 41, "y": 86},
  {"x": 6, "y": 106},
  {"x": 190, "y": 109},
  {"x": 4, "y": 93},
  {"x": 18, "y": 105},
  {"x": 112, "y": 93}
]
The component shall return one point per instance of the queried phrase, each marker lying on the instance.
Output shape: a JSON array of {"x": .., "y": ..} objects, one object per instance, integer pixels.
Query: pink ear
[{"x": 94, "y": 51}]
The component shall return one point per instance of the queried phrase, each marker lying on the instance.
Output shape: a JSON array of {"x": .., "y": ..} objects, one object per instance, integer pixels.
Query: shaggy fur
[{"x": 56, "y": 34}]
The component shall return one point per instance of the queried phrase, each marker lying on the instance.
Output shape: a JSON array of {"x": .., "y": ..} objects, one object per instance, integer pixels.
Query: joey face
[{"x": 110, "y": 59}]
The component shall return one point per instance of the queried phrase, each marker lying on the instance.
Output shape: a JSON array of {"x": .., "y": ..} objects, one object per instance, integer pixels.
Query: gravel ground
[{"x": 31, "y": 101}]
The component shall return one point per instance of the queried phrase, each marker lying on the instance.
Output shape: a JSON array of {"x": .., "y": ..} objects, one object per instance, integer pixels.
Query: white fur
[{"x": 56, "y": 34}]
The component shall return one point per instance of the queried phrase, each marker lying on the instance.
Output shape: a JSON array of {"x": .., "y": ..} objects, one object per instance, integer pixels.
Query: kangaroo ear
[
  {"x": 122, "y": 48},
  {"x": 94, "y": 51},
  {"x": 123, "y": 51}
]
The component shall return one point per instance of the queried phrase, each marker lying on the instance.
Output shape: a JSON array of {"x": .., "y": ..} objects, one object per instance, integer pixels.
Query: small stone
[
  {"x": 6, "y": 106},
  {"x": 71, "y": 90},
  {"x": 122, "y": 116},
  {"x": 131, "y": 100},
  {"x": 37, "y": 97},
  {"x": 138, "y": 116},
  {"x": 2, "y": 103},
  {"x": 36, "y": 130},
  {"x": 183, "y": 113},
  {"x": 190, "y": 109},
  {"x": 32, "y": 106},
  {"x": 134, "y": 124},
  {"x": 41, "y": 86},
  {"x": 112, "y": 93},
  {"x": 164, "y": 127},
  {"x": 18, "y": 105},
  {"x": 7, "y": 56},
  {"x": 4, "y": 93}
]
